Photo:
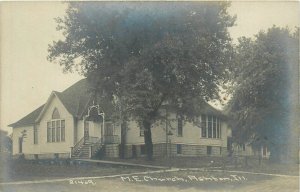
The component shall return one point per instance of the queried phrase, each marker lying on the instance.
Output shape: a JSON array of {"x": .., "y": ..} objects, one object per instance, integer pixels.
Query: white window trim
[
  {"x": 55, "y": 130},
  {"x": 142, "y": 133},
  {"x": 206, "y": 127},
  {"x": 178, "y": 128}
]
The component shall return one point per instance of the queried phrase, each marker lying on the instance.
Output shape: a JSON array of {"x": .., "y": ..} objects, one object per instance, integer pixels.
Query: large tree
[
  {"x": 146, "y": 55},
  {"x": 264, "y": 101}
]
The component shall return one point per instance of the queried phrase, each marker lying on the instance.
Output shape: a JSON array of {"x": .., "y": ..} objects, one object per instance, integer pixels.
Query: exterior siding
[
  {"x": 28, "y": 145},
  {"x": 191, "y": 142},
  {"x": 43, "y": 146},
  {"x": 112, "y": 150},
  {"x": 191, "y": 134},
  {"x": 80, "y": 130},
  {"x": 55, "y": 147},
  {"x": 161, "y": 150}
]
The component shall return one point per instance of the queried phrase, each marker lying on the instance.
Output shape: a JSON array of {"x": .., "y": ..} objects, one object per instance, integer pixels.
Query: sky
[{"x": 26, "y": 29}]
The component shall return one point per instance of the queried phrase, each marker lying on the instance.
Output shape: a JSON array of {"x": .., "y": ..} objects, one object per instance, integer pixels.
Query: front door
[
  {"x": 109, "y": 129},
  {"x": 86, "y": 130}
]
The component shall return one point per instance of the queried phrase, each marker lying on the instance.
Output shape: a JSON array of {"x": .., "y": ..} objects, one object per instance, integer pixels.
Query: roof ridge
[{"x": 69, "y": 97}]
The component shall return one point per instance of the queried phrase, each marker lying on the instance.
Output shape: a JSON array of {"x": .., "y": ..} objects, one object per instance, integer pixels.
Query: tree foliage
[
  {"x": 264, "y": 76},
  {"x": 145, "y": 55}
]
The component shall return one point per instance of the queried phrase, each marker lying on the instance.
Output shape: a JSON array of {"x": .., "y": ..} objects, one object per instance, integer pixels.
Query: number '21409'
[{"x": 82, "y": 182}]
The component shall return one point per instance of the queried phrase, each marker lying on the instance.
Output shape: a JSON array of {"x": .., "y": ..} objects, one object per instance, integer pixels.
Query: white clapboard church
[{"x": 60, "y": 129}]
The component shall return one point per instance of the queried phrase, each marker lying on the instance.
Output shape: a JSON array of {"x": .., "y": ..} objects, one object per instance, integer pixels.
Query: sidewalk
[{"x": 122, "y": 163}]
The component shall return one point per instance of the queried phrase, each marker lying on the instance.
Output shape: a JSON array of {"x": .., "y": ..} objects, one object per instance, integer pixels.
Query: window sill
[{"x": 211, "y": 138}]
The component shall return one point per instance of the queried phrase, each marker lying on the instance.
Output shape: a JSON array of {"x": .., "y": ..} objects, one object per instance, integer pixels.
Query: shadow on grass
[{"x": 27, "y": 170}]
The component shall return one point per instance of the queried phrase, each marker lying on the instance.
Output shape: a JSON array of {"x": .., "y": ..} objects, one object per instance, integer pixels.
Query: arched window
[
  {"x": 56, "y": 128},
  {"x": 55, "y": 114}
]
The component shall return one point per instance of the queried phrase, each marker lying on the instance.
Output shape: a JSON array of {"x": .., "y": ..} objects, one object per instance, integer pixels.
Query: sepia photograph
[{"x": 149, "y": 96}]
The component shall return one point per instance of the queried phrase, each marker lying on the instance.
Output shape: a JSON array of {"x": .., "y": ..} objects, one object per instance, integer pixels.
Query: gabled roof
[
  {"x": 74, "y": 98},
  {"x": 28, "y": 119},
  {"x": 206, "y": 108}
]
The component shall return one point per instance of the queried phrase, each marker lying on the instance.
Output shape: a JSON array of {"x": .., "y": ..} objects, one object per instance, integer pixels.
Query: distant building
[
  {"x": 248, "y": 150},
  {"x": 59, "y": 129}
]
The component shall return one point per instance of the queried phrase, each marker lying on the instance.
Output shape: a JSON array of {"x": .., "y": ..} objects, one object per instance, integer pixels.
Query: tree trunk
[{"x": 148, "y": 139}]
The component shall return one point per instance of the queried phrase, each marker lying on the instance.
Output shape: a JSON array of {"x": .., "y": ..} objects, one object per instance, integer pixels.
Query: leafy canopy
[
  {"x": 147, "y": 54},
  {"x": 264, "y": 88}
]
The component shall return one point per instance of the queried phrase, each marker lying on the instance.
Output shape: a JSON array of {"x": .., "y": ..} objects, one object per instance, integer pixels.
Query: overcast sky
[{"x": 27, "y": 78}]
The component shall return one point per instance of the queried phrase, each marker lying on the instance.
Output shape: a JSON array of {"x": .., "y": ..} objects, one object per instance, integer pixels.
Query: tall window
[
  {"x": 214, "y": 127},
  {"x": 49, "y": 131},
  {"x": 218, "y": 128},
  {"x": 210, "y": 126},
  {"x": 179, "y": 148},
  {"x": 35, "y": 135},
  {"x": 141, "y": 131},
  {"x": 203, "y": 126},
  {"x": 55, "y": 114},
  {"x": 264, "y": 151},
  {"x": 179, "y": 127},
  {"x": 62, "y": 130},
  {"x": 55, "y": 128},
  {"x": 208, "y": 150}
]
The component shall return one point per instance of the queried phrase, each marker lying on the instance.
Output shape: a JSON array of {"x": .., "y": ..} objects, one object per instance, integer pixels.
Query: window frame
[
  {"x": 54, "y": 131},
  {"x": 208, "y": 150},
  {"x": 179, "y": 149},
  {"x": 49, "y": 134},
  {"x": 180, "y": 127},
  {"x": 142, "y": 133},
  {"x": 210, "y": 127}
]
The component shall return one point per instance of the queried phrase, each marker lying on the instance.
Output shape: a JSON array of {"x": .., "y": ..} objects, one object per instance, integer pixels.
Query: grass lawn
[
  {"x": 40, "y": 170},
  {"x": 181, "y": 162},
  {"x": 33, "y": 170},
  {"x": 172, "y": 181},
  {"x": 208, "y": 162}
]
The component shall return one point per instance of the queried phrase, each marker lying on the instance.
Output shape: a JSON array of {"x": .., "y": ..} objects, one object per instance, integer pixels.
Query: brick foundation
[
  {"x": 44, "y": 156},
  {"x": 161, "y": 149},
  {"x": 112, "y": 150}
]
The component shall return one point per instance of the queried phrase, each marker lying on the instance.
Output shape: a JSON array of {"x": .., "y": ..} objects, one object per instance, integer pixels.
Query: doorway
[{"x": 86, "y": 130}]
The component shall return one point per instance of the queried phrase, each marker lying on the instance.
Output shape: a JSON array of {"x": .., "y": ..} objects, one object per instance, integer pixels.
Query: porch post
[
  {"x": 90, "y": 152},
  {"x": 84, "y": 137},
  {"x": 102, "y": 128}
]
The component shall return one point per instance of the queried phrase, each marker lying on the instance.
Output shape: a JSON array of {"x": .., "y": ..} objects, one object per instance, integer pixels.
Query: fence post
[{"x": 235, "y": 161}]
